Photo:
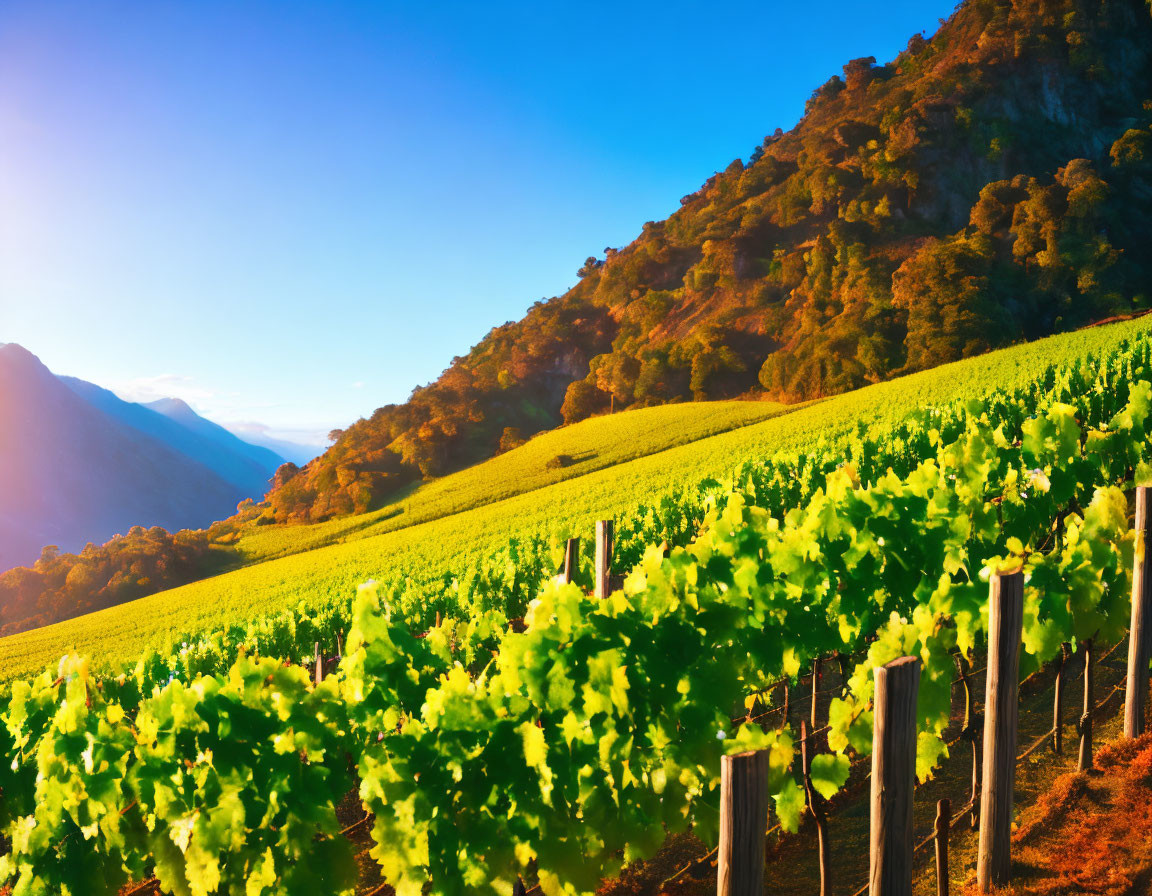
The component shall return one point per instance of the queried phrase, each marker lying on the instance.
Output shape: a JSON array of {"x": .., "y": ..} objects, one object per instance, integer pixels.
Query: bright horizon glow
[{"x": 293, "y": 214}]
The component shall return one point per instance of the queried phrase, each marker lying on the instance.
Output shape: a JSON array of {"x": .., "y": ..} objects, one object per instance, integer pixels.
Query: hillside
[
  {"x": 60, "y": 586},
  {"x": 990, "y": 184},
  {"x": 801, "y": 546},
  {"x": 321, "y": 566},
  {"x": 547, "y": 459},
  {"x": 975, "y": 191}
]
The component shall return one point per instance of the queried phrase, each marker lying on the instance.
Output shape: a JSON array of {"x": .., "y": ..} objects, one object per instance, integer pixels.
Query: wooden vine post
[
  {"x": 943, "y": 825},
  {"x": 1058, "y": 700},
  {"x": 319, "y": 664},
  {"x": 1085, "y": 725},
  {"x": 1001, "y": 712},
  {"x": 571, "y": 559},
  {"x": 816, "y": 807},
  {"x": 603, "y": 557},
  {"x": 1140, "y": 636},
  {"x": 893, "y": 777},
  {"x": 817, "y": 665},
  {"x": 743, "y": 824}
]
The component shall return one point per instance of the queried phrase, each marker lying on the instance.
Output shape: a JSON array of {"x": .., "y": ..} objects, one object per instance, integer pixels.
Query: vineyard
[
  {"x": 504, "y": 723},
  {"x": 582, "y": 448},
  {"x": 513, "y": 544}
]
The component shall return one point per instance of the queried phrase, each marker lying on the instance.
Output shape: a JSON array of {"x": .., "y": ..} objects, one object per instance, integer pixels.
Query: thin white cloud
[
  {"x": 207, "y": 402},
  {"x": 300, "y": 435},
  {"x": 165, "y": 385}
]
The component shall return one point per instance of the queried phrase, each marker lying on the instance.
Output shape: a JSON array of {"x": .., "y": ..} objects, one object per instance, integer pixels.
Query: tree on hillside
[
  {"x": 582, "y": 400},
  {"x": 511, "y": 438},
  {"x": 945, "y": 288},
  {"x": 615, "y": 375}
]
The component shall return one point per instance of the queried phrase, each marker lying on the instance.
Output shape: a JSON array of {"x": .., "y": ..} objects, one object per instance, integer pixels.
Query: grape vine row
[{"x": 574, "y": 742}]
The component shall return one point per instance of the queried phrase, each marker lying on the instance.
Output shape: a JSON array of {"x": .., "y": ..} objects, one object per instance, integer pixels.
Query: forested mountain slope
[{"x": 990, "y": 184}]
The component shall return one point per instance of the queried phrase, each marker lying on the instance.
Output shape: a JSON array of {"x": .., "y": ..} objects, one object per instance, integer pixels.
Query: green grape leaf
[
  {"x": 790, "y": 805},
  {"x": 829, "y": 772},
  {"x": 849, "y": 726}
]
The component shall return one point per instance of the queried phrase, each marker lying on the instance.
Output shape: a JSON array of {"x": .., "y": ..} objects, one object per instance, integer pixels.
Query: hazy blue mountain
[
  {"x": 78, "y": 464},
  {"x": 177, "y": 410},
  {"x": 248, "y": 467},
  {"x": 297, "y": 452}
]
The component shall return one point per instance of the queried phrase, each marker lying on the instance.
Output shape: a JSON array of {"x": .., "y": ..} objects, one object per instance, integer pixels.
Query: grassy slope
[
  {"x": 593, "y": 444},
  {"x": 427, "y": 549}
]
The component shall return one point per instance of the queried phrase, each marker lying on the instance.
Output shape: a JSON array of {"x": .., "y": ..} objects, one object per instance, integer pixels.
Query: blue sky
[{"x": 296, "y": 212}]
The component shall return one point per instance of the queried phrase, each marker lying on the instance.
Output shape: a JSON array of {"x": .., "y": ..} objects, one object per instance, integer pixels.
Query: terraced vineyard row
[{"x": 656, "y": 497}]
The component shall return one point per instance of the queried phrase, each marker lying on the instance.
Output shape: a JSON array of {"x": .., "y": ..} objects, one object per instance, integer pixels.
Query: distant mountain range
[{"x": 78, "y": 464}]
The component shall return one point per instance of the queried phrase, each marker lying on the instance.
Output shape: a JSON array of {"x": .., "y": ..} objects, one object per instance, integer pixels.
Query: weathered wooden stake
[
  {"x": 571, "y": 559},
  {"x": 943, "y": 824},
  {"x": 893, "y": 777},
  {"x": 1001, "y": 713},
  {"x": 1140, "y": 634},
  {"x": 787, "y": 711},
  {"x": 743, "y": 824},
  {"x": 603, "y": 557},
  {"x": 816, "y": 807},
  {"x": 319, "y": 665},
  {"x": 816, "y": 666},
  {"x": 1085, "y": 726},
  {"x": 339, "y": 647},
  {"x": 1058, "y": 701}
]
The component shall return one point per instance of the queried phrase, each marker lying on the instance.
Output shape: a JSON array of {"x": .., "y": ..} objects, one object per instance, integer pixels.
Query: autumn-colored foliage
[
  {"x": 62, "y": 585},
  {"x": 991, "y": 183}
]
